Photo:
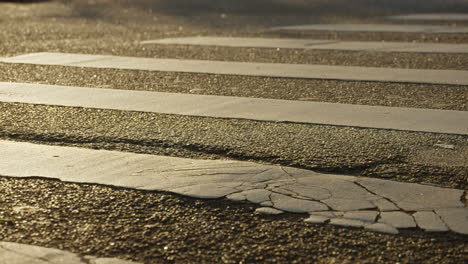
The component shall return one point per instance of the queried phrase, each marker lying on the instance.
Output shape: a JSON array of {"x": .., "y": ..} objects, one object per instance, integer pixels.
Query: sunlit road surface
[{"x": 177, "y": 165}]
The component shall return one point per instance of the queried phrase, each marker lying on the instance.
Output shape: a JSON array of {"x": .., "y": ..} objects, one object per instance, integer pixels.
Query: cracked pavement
[{"x": 282, "y": 188}]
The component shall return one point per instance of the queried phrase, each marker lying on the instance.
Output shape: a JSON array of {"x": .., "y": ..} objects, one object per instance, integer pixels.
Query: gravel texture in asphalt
[
  {"x": 404, "y": 156},
  {"x": 154, "y": 227}
]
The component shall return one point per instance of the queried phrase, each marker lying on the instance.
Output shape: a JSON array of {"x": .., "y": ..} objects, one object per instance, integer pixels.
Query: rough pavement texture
[
  {"x": 154, "y": 227},
  {"x": 286, "y": 189},
  {"x": 14, "y": 253}
]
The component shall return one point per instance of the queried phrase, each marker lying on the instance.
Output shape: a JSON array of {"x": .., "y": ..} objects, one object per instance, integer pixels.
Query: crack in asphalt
[
  {"x": 288, "y": 174},
  {"x": 376, "y": 194},
  {"x": 464, "y": 199}
]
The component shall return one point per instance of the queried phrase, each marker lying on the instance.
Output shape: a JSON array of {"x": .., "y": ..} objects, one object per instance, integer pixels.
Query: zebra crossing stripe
[
  {"x": 434, "y": 16},
  {"x": 290, "y": 43},
  {"x": 410, "y": 119},
  {"x": 454, "y": 77},
  {"x": 16, "y": 253},
  {"x": 378, "y": 28}
]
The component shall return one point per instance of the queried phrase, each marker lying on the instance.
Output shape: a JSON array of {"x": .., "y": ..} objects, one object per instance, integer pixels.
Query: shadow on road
[
  {"x": 248, "y": 12},
  {"x": 102, "y": 9}
]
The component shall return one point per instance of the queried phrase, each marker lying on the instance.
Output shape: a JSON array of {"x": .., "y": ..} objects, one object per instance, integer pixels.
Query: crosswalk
[{"x": 375, "y": 205}]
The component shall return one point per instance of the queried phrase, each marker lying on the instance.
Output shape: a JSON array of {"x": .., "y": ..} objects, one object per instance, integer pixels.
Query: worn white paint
[
  {"x": 15, "y": 253},
  {"x": 377, "y": 28},
  {"x": 433, "y": 17},
  {"x": 286, "y": 189},
  {"x": 411, "y": 119},
  {"x": 290, "y": 43}
]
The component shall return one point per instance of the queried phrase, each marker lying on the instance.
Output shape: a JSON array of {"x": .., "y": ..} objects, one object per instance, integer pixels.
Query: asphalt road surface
[{"x": 157, "y": 227}]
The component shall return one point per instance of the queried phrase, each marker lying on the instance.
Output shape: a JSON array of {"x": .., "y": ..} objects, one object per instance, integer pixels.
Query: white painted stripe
[
  {"x": 413, "y": 119},
  {"x": 434, "y": 16},
  {"x": 378, "y": 28},
  {"x": 15, "y": 253},
  {"x": 246, "y": 68},
  {"x": 234, "y": 180},
  {"x": 289, "y": 43},
  {"x": 244, "y": 42}
]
